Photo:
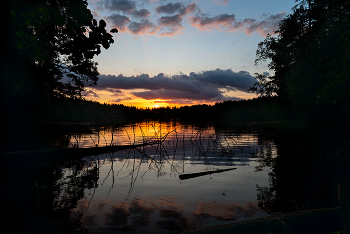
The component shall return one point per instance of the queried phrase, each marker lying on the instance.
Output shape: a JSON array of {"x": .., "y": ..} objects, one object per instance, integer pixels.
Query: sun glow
[{"x": 128, "y": 99}]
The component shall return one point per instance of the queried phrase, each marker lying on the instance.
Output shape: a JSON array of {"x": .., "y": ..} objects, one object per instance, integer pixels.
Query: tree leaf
[
  {"x": 114, "y": 30},
  {"x": 105, "y": 45},
  {"x": 20, "y": 46},
  {"x": 32, "y": 14},
  {"x": 13, "y": 14},
  {"x": 102, "y": 23}
]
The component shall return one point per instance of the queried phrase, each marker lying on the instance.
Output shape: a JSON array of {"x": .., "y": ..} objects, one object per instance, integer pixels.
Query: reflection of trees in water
[
  {"x": 69, "y": 187},
  {"x": 305, "y": 175},
  {"x": 41, "y": 202}
]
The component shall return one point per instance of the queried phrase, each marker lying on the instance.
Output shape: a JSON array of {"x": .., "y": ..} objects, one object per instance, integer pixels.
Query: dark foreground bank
[{"x": 310, "y": 221}]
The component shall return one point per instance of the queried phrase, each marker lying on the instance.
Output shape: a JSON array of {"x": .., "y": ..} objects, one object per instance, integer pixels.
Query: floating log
[
  {"x": 194, "y": 175},
  {"x": 39, "y": 158}
]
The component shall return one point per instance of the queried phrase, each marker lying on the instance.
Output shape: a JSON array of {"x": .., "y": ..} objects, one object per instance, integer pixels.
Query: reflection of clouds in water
[
  {"x": 149, "y": 217},
  {"x": 172, "y": 215},
  {"x": 226, "y": 211},
  {"x": 173, "y": 220},
  {"x": 169, "y": 202}
]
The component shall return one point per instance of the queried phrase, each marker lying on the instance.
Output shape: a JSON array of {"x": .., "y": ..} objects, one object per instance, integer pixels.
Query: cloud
[
  {"x": 176, "y": 101},
  {"x": 223, "y": 2},
  {"x": 144, "y": 27},
  {"x": 171, "y": 23},
  {"x": 119, "y": 100},
  {"x": 206, "y": 85},
  {"x": 174, "y": 22},
  {"x": 90, "y": 93},
  {"x": 123, "y": 23},
  {"x": 208, "y": 23},
  {"x": 229, "y": 22},
  {"x": 206, "y": 94},
  {"x": 269, "y": 25},
  {"x": 169, "y": 8},
  {"x": 143, "y": 13},
  {"x": 95, "y": 14},
  {"x": 178, "y": 7},
  {"x": 124, "y": 6},
  {"x": 118, "y": 21}
]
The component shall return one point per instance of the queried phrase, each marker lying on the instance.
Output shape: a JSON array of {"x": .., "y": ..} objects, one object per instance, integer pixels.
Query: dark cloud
[
  {"x": 119, "y": 21},
  {"x": 120, "y": 5},
  {"x": 207, "y": 23},
  {"x": 143, "y": 13},
  {"x": 178, "y": 7},
  {"x": 116, "y": 92},
  {"x": 204, "y": 93},
  {"x": 207, "y": 85},
  {"x": 123, "y": 23},
  {"x": 174, "y": 22},
  {"x": 145, "y": 26},
  {"x": 90, "y": 93},
  {"x": 171, "y": 21},
  {"x": 126, "y": 7},
  {"x": 169, "y": 8},
  {"x": 119, "y": 100}
]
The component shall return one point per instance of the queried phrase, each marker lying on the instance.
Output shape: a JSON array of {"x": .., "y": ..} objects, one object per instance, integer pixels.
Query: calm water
[{"x": 140, "y": 190}]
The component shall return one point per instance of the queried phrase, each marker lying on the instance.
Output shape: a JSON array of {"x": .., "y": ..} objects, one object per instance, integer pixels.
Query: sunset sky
[{"x": 175, "y": 53}]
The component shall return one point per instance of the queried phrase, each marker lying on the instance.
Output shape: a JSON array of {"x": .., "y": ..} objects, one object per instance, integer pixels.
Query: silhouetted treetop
[
  {"x": 310, "y": 57},
  {"x": 53, "y": 43}
]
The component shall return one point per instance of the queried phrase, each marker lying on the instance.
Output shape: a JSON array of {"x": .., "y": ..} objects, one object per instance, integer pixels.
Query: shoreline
[{"x": 326, "y": 220}]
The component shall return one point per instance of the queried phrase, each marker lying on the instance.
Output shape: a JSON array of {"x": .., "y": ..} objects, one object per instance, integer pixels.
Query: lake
[
  {"x": 187, "y": 176},
  {"x": 140, "y": 189}
]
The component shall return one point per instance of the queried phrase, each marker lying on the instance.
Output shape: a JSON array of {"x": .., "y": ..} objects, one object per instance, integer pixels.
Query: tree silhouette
[
  {"x": 49, "y": 46},
  {"x": 310, "y": 57}
]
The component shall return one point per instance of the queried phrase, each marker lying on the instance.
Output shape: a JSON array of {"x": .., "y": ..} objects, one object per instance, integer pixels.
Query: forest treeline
[
  {"x": 257, "y": 109},
  {"x": 82, "y": 111}
]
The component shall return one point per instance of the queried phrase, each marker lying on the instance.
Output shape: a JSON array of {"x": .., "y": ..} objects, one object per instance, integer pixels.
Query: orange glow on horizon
[
  {"x": 128, "y": 99},
  {"x": 153, "y": 104}
]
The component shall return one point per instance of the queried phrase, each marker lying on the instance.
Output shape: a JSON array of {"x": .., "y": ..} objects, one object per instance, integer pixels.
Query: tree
[
  {"x": 264, "y": 86},
  {"x": 49, "y": 46},
  {"x": 310, "y": 57}
]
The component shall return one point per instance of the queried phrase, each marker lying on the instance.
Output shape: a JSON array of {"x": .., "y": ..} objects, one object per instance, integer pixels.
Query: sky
[{"x": 176, "y": 53}]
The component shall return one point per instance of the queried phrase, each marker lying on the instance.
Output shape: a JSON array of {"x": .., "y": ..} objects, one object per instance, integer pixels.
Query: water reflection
[
  {"x": 139, "y": 189},
  {"x": 306, "y": 174},
  {"x": 163, "y": 215}
]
